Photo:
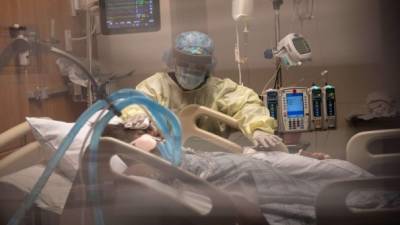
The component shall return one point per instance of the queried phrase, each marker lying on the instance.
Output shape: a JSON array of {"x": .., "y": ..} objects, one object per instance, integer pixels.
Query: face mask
[{"x": 189, "y": 80}]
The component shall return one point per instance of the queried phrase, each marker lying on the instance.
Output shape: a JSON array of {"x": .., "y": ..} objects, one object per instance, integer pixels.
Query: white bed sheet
[{"x": 54, "y": 194}]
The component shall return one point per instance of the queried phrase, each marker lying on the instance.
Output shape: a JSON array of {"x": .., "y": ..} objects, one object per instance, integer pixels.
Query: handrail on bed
[
  {"x": 224, "y": 208},
  {"x": 13, "y": 133},
  {"x": 331, "y": 207},
  {"x": 189, "y": 116},
  {"x": 358, "y": 152},
  {"x": 23, "y": 157}
]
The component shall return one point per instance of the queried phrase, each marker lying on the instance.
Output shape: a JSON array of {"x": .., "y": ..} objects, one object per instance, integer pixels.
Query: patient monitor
[{"x": 129, "y": 16}]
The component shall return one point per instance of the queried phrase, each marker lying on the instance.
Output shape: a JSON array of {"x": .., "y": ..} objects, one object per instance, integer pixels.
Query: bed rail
[
  {"x": 14, "y": 133},
  {"x": 21, "y": 157},
  {"x": 331, "y": 207},
  {"x": 191, "y": 113},
  {"x": 358, "y": 151}
]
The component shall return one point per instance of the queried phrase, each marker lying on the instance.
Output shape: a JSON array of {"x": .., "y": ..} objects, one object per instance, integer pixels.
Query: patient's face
[{"x": 141, "y": 138}]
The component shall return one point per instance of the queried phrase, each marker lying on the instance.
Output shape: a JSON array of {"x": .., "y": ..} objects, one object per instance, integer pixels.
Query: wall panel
[{"x": 16, "y": 82}]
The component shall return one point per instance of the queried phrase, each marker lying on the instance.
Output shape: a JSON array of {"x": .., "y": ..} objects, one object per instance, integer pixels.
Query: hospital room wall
[
  {"x": 16, "y": 82},
  {"x": 346, "y": 38}
]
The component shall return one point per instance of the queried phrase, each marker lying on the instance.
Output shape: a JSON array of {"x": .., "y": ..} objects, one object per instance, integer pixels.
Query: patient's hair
[
  {"x": 121, "y": 133},
  {"x": 128, "y": 135}
]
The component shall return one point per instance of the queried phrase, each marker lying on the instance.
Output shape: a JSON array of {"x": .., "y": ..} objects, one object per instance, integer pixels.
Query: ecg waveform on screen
[{"x": 130, "y": 13}]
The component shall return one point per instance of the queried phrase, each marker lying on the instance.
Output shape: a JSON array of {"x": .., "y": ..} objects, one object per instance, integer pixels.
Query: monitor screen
[
  {"x": 295, "y": 105},
  {"x": 129, "y": 16},
  {"x": 301, "y": 45}
]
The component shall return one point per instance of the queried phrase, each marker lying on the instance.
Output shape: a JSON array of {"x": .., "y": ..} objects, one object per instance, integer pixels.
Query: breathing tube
[{"x": 165, "y": 120}]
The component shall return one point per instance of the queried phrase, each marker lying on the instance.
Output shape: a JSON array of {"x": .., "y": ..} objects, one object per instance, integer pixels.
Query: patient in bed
[{"x": 284, "y": 185}]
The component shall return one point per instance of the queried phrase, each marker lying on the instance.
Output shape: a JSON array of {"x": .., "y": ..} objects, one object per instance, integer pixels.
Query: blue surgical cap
[{"x": 194, "y": 43}]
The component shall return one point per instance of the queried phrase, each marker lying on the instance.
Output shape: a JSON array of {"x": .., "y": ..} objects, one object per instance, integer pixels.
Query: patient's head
[{"x": 142, "y": 138}]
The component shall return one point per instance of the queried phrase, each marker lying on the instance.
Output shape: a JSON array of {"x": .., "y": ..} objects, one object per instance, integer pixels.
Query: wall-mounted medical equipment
[
  {"x": 293, "y": 50},
  {"x": 301, "y": 109},
  {"x": 271, "y": 101},
  {"x": 329, "y": 103},
  {"x": 316, "y": 107},
  {"x": 18, "y": 33},
  {"x": 293, "y": 111},
  {"x": 129, "y": 16}
]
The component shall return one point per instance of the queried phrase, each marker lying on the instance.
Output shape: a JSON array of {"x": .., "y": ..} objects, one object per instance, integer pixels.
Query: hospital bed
[
  {"x": 326, "y": 203},
  {"x": 361, "y": 150},
  {"x": 21, "y": 158}
]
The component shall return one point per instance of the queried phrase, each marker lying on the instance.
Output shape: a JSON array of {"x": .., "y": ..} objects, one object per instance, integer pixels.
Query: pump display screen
[
  {"x": 301, "y": 45},
  {"x": 129, "y": 16},
  {"x": 295, "y": 105},
  {"x": 330, "y": 102}
]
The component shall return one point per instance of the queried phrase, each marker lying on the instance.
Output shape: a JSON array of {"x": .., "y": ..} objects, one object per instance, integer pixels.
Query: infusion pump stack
[
  {"x": 316, "y": 107},
  {"x": 329, "y": 103},
  {"x": 301, "y": 109}
]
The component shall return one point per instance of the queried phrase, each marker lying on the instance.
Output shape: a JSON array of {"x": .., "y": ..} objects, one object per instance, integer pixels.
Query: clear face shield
[
  {"x": 190, "y": 78},
  {"x": 191, "y": 71}
]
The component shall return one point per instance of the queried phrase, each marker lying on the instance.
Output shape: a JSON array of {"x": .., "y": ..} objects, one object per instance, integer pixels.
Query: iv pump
[
  {"x": 271, "y": 101},
  {"x": 316, "y": 107},
  {"x": 301, "y": 109},
  {"x": 329, "y": 103}
]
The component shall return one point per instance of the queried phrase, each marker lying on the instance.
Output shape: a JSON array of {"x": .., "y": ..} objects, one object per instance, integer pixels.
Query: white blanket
[{"x": 54, "y": 194}]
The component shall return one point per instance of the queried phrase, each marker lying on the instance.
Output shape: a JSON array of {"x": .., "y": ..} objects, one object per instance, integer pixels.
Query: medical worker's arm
[
  {"x": 147, "y": 87},
  {"x": 244, "y": 105}
]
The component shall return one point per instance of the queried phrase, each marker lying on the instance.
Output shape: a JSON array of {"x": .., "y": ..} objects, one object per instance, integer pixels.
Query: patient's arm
[{"x": 314, "y": 155}]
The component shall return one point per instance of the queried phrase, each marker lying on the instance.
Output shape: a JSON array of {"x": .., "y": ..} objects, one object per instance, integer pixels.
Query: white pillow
[{"x": 50, "y": 133}]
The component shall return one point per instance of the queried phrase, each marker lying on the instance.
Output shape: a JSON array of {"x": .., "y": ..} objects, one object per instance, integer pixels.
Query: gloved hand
[
  {"x": 138, "y": 121},
  {"x": 265, "y": 140}
]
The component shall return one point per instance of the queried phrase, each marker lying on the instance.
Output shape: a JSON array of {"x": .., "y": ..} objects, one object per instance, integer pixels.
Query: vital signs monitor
[{"x": 129, "y": 16}]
